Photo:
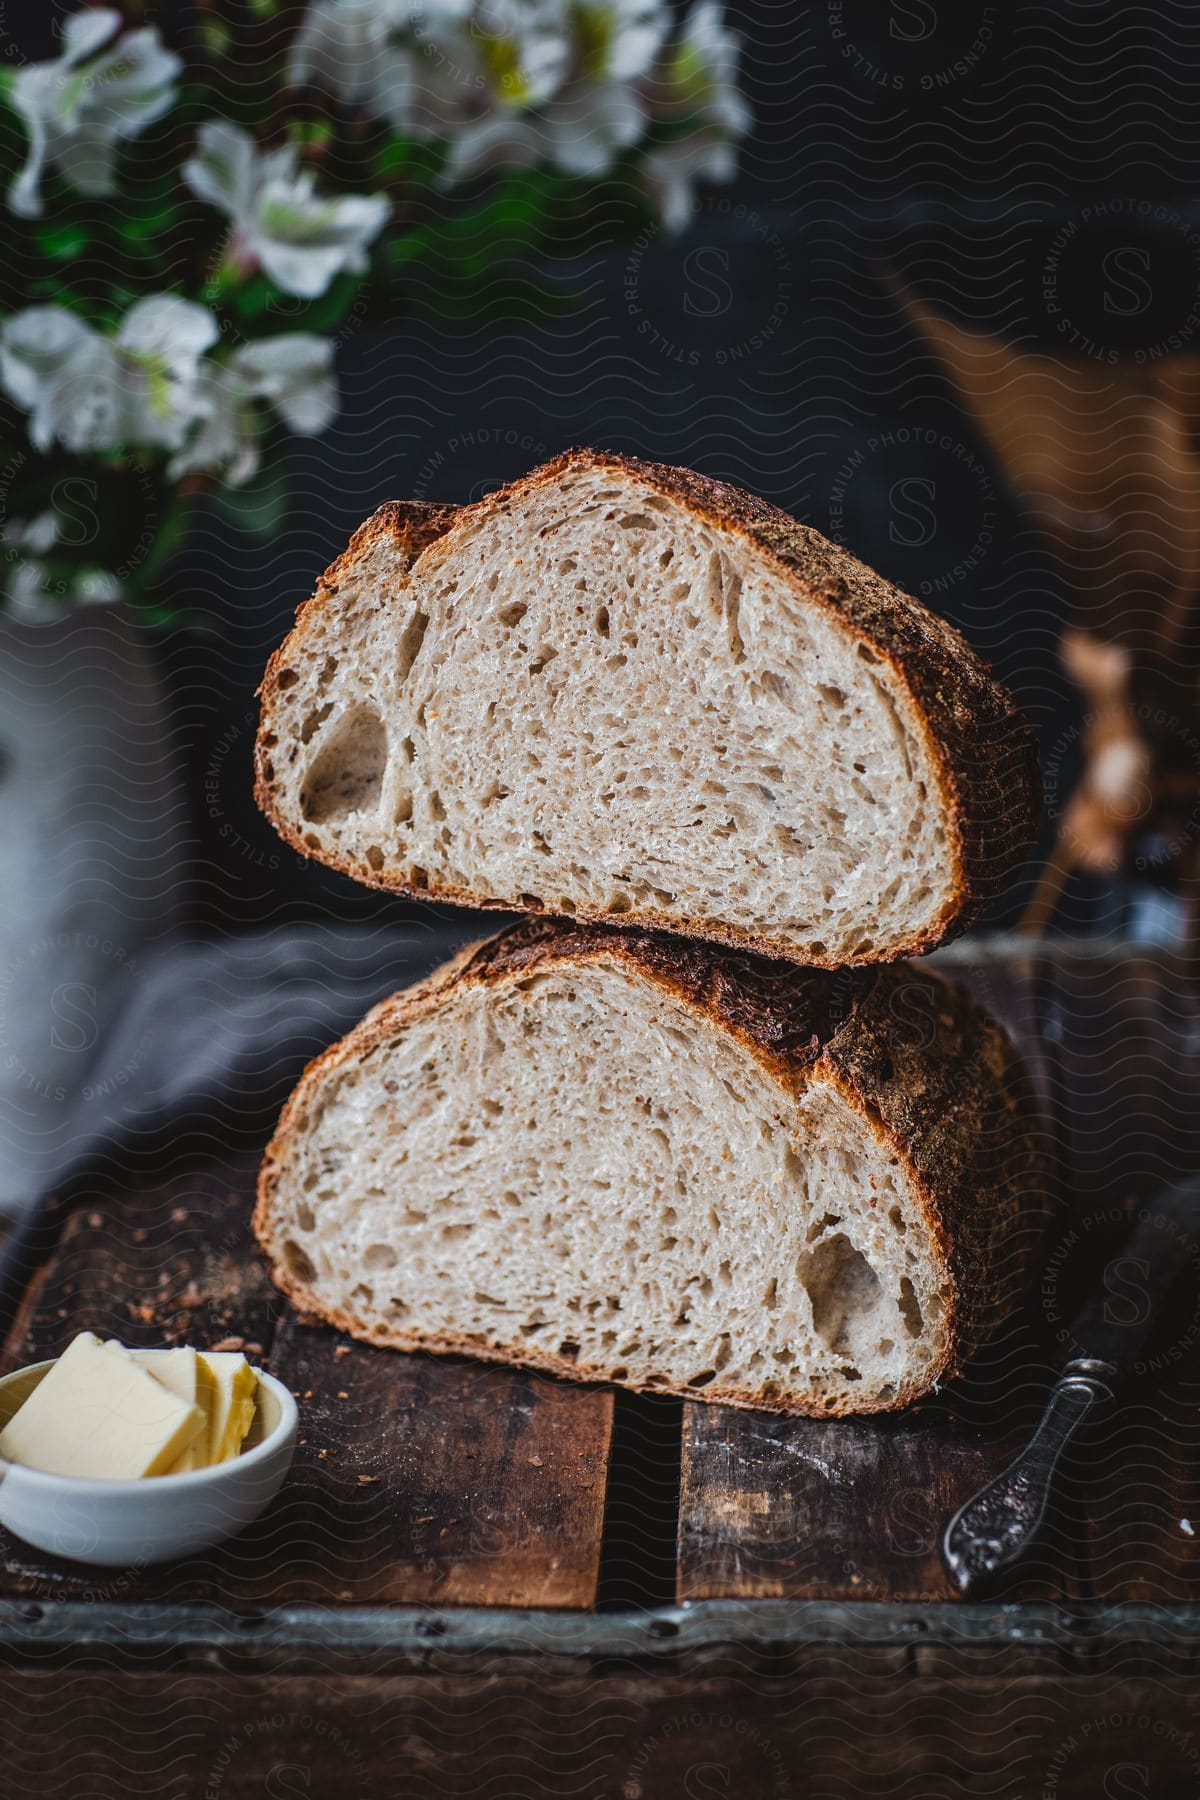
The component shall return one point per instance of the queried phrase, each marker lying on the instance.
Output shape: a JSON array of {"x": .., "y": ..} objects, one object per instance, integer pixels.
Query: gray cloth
[{"x": 208, "y": 1037}]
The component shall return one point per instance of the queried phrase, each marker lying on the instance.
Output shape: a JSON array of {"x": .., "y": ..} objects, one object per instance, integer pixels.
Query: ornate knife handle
[{"x": 999, "y": 1522}]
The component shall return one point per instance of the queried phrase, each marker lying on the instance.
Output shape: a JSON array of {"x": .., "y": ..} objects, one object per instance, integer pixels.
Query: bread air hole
[
  {"x": 298, "y": 1262},
  {"x": 843, "y": 1289},
  {"x": 910, "y": 1308},
  {"x": 411, "y": 639},
  {"x": 314, "y": 722},
  {"x": 347, "y": 774}
]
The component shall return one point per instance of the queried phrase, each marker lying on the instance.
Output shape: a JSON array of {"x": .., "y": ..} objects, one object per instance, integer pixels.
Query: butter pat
[
  {"x": 98, "y": 1414},
  {"x": 183, "y": 1373},
  {"x": 232, "y": 1409}
]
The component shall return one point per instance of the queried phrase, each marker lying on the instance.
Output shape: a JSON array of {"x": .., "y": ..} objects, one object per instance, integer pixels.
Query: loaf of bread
[
  {"x": 620, "y": 691},
  {"x": 621, "y": 1156}
]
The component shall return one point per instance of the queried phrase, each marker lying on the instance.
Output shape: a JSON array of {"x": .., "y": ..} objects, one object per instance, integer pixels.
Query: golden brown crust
[
  {"x": 978, "y": 738},
  {"x": 934, "y": 1077},
  {"x": 953, "y": 1095}
]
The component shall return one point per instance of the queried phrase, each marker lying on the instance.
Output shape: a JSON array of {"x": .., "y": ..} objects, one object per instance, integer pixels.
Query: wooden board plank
[
  {"x": 171, "y": 1264},
  {"x": 855, "y": 1509},
  {"x": 433, "y": 1480},
  {"x": 417, "y": 1479}
]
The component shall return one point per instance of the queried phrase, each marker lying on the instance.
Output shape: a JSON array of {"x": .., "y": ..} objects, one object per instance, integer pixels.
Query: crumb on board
[{"x": 1187, "y": 1528}]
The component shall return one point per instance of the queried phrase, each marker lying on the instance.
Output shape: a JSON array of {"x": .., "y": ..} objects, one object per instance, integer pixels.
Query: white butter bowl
[{"x": 115, "y": 1524}]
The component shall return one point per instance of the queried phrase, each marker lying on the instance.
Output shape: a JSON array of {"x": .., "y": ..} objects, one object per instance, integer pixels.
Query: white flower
[
  {"x": 522, "y": 50},
  {"x": 460, "y": 75},
  {"x": 302, "y": 240},
  {"x": 508, "y": 82},
  {"x": 695, "y": 88},
  {"x": 602, "y": 110},
  {"x": 500, "y": 141},
  {"x": 618, "y": 42},
  {"x": 427, "y": 66},
  {"x": 39, "y": 534},
  {"x": 35, "y": 596},
  {"x": 698, "y": 76},
  {"x": 90, "y": 392},
  {"x": 585, "y": 106},
  {"x": 96, "y": 587},
  {"x": 77, "y": 110},
  {"x": 671, "y": 171},
  {"x": 293, "y": 373},
  {"x": 588, "y": 126},
  {"x": 151, "y": 386},
  {"x": 350, "y": 48}
]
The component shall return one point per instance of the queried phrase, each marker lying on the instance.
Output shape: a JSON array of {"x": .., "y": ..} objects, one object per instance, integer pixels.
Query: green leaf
[
  {"x": 407, "y": 247},
  {"x": 135, "y": 228},
  {"x": 216, "y": 37},
  {"x": 253, "y": 296},
  {"x": 259, "y": 510},
  {"x": 62, "y": 242},
  {"x": 322, "y": 314},
  {"x": 310, "y": 132},
  {"x": 169, "y": 538},
  {"x": 393, "y": 159}
]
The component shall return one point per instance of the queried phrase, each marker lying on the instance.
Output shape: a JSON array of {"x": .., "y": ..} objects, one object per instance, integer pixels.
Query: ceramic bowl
[{"x": 118, "y": 1523}]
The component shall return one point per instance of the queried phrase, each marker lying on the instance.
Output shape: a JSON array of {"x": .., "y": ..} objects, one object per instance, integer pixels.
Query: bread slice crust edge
[
  {"x": 977, "y": 737},
  {"x": 924, "y": 1100}
]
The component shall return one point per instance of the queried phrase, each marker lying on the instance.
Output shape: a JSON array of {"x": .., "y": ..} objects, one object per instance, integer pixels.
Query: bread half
[
  {"x": 620, "y": 691},
  {"x": 620, "y": 1157}
]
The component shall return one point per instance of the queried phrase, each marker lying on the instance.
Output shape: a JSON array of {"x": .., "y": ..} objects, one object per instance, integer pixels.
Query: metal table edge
[{"x": 36, "y": 1632}]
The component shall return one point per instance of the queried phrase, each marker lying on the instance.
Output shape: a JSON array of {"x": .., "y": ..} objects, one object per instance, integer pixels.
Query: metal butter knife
[{"x": 1103, "y": 1342}]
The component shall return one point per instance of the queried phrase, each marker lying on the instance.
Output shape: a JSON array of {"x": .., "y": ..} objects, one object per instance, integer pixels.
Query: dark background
[{"x": 948, "y": 143}]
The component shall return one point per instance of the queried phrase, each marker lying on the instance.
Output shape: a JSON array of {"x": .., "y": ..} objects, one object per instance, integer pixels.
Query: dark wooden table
[{"x": 482, "y": 1582}]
